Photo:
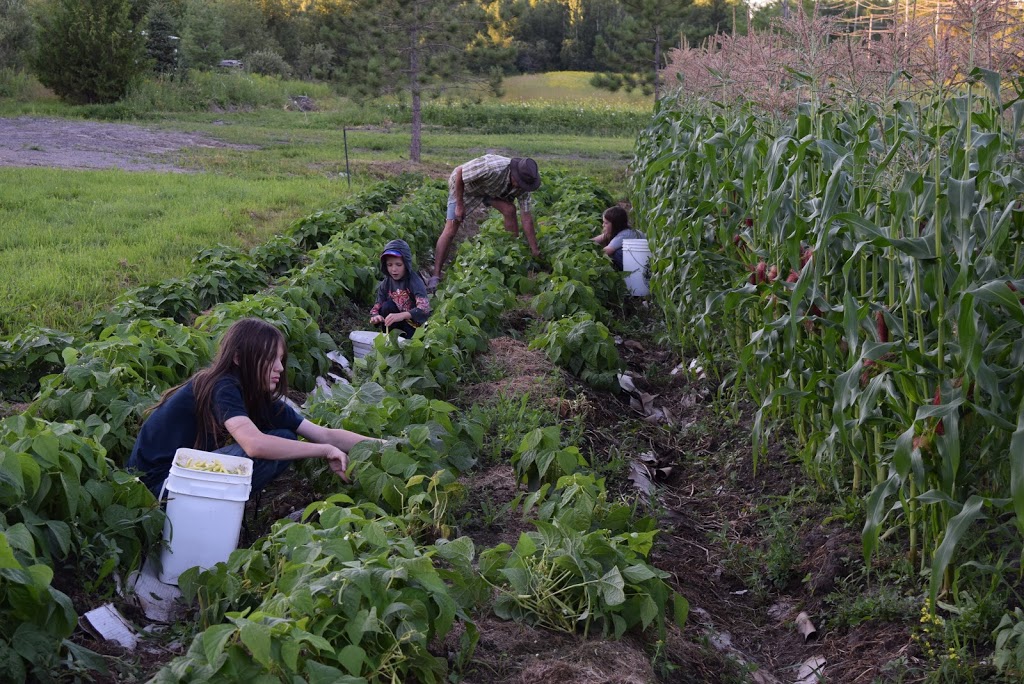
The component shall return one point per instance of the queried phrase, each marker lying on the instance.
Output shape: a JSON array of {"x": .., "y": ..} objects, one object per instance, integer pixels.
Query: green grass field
[
  {"x": 569, "y": 87},
  {"x": 71, "y": 241}
]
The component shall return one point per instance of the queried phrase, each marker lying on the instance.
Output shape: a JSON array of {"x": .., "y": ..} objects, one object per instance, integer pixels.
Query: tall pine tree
[
  {"x": 161, "y": 43},
  {"x": 89, "y": 51},
  {"x": 411, "y": 45},
  {"x": 635, "y": 48}
]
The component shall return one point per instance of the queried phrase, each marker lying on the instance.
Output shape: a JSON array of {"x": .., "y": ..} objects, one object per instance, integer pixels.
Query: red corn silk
[
  {"x": 940, "y": 429},
  {"x": 805, "y": 256},
  {"x": 1013, "y": 288},
  {"x": 880, "y": 327},
  {"x": 773, "y": 274},
  {"x": 793, "y": 276}
]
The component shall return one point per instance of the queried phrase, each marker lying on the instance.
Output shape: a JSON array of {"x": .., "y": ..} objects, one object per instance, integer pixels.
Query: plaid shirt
[{"x": 488, "y": 177}]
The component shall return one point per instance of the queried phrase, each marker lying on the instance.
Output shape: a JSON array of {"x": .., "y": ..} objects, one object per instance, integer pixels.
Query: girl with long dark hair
[
  {"x": 236, "y": 406},
  {"x": 615, "y": 228}
]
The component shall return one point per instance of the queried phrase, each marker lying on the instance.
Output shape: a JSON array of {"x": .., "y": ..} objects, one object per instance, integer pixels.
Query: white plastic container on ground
[
  {"x": 362, "y": 342},
  {"x": 635, "y": 256},
  {"x": 204, "y": 512}
]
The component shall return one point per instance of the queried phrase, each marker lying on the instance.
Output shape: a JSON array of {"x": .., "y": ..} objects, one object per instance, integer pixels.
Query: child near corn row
[
  {"x": 402, "y": 303},
  {"x": 237, "y": 407},
  {"x": 614, "y": 229}
]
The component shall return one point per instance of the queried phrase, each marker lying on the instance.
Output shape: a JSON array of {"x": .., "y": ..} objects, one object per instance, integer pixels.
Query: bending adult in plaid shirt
[{"x": 495, "y": 181}]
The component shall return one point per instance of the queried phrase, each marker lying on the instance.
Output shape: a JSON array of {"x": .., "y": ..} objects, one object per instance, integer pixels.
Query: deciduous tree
[{"x": 16, "y": 33}]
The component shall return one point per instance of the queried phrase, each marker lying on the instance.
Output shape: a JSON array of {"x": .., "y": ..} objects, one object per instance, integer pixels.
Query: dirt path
[{"x": 68, "y": 144}]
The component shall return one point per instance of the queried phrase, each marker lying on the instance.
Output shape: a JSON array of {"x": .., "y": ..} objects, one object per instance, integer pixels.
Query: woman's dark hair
[
  {"x": 618, "y": 217},
  {"x": 247, "y": 351}
]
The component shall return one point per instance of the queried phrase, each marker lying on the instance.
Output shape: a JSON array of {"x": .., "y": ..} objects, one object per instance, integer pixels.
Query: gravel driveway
[{"x": 70, "y": 144}]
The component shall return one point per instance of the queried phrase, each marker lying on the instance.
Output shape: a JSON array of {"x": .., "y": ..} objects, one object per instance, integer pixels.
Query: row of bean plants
[
  {"x": 357, "y": 592},
  {"x": 68, "y": 511},
  {"x": 857, "y": 269}
]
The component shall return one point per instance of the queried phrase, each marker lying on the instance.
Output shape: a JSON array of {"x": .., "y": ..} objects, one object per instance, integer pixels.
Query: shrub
[
  {"x": 89, "y": 51},
  {"x": 267, "y": 63}
]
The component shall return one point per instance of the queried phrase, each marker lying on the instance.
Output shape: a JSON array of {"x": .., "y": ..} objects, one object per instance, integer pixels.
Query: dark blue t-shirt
[{"x": 174, "y": 425}]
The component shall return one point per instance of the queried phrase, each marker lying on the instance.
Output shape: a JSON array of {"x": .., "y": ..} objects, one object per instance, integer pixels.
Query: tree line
[{"x": 91, "y": 50}]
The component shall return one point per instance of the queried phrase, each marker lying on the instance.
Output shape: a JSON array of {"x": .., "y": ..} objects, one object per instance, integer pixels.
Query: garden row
[
  {"x": 358, "y": 592},
  {"x": 70, "y": 516},
  {"x": 70, "y": 508},
  {"x": 858, "y": 271}
]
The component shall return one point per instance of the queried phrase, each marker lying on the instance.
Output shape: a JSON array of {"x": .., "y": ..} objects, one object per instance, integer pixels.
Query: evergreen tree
[
  {"x": 410, "y": 45},
  {"x": 161, "y": 41},
  {"x": 634, "y": 49},
  {"x": 89, "y": 51},
  {"x": 594, "y": 18},
  {"x": 538, "y": 31}
]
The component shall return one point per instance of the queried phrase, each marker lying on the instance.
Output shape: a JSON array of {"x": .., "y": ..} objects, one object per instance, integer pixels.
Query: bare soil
[{"x": 70, "y": 144}]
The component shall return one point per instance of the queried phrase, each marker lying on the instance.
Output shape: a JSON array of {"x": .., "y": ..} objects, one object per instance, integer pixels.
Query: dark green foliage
[
  {"x": 307, "y": 346},
  {"x": 566, "y": 581},
  {"x": 161, "y": 39},
  {"x": 27, "y": 356},
  {"x": 89, "y": 51},
  {"x": 60, "y": 500},
  {"x": 202, "y": 35},
  {"x": 16, "y": 34},
  {"x": 267, "y": 63},
  {"x": 408, "y": 45},
  {"x": 316, "y": 62},
  {"x": 110, "y": 383},
  {"x": 635, "y": 48},
  {"x": 584, "y": 347},
  {"x": 351, "y": 598}
]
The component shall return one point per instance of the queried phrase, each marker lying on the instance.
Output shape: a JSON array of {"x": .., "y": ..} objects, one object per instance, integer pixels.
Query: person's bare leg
[
  {"x": 508, "y": 214},
  {"x": 443, "y": 243}
]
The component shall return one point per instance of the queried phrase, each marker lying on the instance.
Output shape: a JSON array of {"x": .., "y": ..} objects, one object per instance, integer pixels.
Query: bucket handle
[{"x": 163, "y": 490}]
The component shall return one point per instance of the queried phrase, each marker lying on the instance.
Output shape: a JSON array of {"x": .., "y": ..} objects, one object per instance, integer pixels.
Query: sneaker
[{"x": 433, "y": 283}]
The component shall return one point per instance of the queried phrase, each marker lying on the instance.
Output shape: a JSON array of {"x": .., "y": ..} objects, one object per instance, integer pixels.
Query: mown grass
[{"x": 71, "y": 241}]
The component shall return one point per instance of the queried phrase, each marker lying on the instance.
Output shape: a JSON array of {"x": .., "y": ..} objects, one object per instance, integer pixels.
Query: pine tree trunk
[{"x": 415, "y": 89}]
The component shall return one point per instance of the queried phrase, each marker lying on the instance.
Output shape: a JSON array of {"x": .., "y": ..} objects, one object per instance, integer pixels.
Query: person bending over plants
[
  {"x": 236, "y": 407},
  {"x": 495, "y": 181},
  {"x": 614, "y": 229},
  {"x": 402, "y": 302}
]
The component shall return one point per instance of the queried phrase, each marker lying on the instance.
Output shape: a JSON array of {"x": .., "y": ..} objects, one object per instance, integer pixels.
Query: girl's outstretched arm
[
  {"x": 258, "y": 444},
  {"x": 342, "y": 439}
]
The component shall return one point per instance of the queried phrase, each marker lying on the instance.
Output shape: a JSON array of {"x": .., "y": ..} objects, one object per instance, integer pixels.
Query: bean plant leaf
[
  {"x": 352, "y": 657},
  {"x": 611, "y": 586},
  {"x": 680, "y": 609},
  {"x": 214, "y": 639}
]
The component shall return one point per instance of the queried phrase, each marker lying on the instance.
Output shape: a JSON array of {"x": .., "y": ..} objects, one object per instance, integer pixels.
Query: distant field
[
  {"x": 569, "y": 87},
  {"x": 71, "y": 241}
]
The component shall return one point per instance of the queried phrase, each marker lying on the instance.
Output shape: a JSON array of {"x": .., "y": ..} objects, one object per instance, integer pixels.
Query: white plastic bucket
[
  {"x": 635, "y": 255},
  {"x": 362, "y": 342},
  {"x": 204, "y": 513}
]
